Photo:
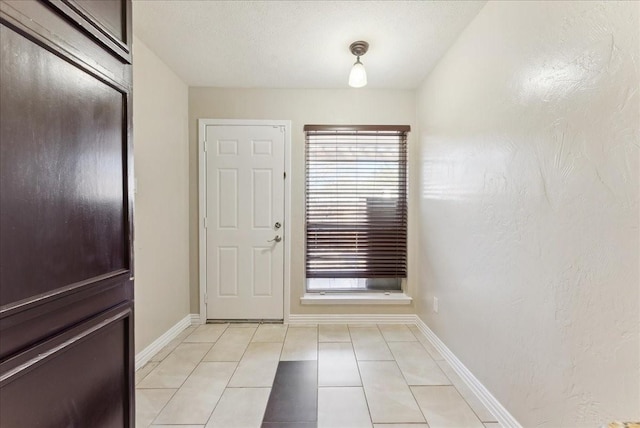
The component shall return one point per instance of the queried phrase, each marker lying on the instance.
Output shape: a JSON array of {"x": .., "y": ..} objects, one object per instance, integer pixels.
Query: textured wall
[
  {"x": 161, "y": 149},
  {"x": 301, "y": 106},
  {"x": 529, "y": 207}
]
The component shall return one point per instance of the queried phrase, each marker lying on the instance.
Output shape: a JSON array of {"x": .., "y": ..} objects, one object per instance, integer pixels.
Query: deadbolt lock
[{"x": 277, "y": 225}]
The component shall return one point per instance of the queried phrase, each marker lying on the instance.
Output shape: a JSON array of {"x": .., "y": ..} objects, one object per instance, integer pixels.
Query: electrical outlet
[{"x": 435, "y": 305}]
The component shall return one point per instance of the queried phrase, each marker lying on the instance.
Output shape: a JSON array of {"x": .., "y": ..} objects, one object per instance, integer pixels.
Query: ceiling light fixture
[{"x": 358, "y": 75}]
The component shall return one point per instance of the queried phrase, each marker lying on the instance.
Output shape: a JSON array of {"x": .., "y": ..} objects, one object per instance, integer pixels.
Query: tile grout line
[
  {"x": 274, "y": 375},
  {"x": 386, "y": 341},
  {"x": 410, "y": 390},
  {"x": 463, "y": 397},
  {"x": 143, "y": 378},
  {"x": 419, "y": 408},
  {"x": 402, "y": 372},
  {"x": 160, "y": 361},
  {"x": 459, "y": 394},
  {"x": 165, "y": 405},
  {"x": 232, "y": 374},
  {"x": 281, "y": 350},
  {"x": 451, "y": 380},
  {"x": 364, "y": 391},
  {"x": 190, "y": 373},
  {"x": 241, "y": 357}
]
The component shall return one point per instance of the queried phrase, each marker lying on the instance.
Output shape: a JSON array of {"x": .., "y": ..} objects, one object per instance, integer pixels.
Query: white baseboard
[
  {"x": 195, "y": 319},
  {"x": 145, "y": 355},
  {"x": 491, "y": 403},
  {"x": 352, "y": 319}
]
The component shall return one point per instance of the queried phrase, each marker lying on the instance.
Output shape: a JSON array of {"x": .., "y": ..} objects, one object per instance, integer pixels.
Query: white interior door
[{"x": 244, "y": 221}]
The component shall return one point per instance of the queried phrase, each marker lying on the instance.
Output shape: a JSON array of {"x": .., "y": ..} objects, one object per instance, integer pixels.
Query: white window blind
[{"x": 356, "y": 201}]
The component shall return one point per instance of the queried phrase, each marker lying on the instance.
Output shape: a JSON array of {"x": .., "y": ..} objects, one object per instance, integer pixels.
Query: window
[{"x": 356, "y": 207}]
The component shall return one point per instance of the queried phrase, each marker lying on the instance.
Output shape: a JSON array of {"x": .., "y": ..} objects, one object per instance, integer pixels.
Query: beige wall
[
  {"x": 529, "y": 208},
  {"x": 160, "y": 109},
  {"x": 317, "y": 106}
]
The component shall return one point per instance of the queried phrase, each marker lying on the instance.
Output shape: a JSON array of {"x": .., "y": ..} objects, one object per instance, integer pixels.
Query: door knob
[{"x": 276, "y": 239}]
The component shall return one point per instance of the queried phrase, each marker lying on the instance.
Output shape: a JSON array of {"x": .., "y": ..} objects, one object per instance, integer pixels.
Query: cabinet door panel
[
  {"x": 108, "y": 14},
  {"x": 62, "y": 216},
  {"x": 62, "y": 385}
]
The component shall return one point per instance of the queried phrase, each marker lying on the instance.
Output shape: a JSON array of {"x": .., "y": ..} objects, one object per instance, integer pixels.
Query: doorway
[{"x": 244, "y": 201}]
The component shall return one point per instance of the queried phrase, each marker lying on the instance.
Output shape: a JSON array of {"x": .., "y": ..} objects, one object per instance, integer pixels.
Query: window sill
[{"x": 355, "y": 299}]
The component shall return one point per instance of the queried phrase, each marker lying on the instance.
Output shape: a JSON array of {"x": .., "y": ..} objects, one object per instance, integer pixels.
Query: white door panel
[{"x": 244, "y": 200}]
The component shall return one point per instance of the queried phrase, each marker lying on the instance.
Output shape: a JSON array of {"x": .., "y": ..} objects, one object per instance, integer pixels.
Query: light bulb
[{"x": 358, "y": 75}]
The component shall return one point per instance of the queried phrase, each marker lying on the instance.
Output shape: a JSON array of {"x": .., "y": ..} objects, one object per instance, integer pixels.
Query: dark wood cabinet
[{"x": 66, "y": 238}]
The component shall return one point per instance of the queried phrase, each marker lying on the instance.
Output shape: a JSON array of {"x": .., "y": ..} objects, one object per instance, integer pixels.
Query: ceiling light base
[{"x": 359, "y": 48}]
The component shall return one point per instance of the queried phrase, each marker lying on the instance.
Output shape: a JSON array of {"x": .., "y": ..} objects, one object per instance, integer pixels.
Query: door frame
[{"x": 202, "y": 204}]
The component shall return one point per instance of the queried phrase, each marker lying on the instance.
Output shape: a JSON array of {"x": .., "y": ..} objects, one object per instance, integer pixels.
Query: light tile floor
[{"x": 385, "y": 376}]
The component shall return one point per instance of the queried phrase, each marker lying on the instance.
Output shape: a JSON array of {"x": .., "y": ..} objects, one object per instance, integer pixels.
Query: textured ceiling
[{"x": 300, "y": 44}]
